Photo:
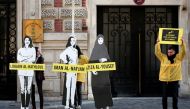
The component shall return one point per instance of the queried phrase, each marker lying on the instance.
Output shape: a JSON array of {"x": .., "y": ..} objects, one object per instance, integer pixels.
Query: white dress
[{"x": 26, "y": 55}]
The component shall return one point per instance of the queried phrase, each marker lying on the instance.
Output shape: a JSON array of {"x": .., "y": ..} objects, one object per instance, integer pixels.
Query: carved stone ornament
[
  {"x": 68, "y": 25},
  {"x": 50, "y": 13},
  {"x": 67, "y": 13},
  {"x": 48, "y": 25},
  {"x": 47, "y": 3},
  {"x": 69, "y": 2}
]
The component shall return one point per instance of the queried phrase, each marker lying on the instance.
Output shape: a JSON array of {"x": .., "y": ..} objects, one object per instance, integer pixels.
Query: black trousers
[
  {"x": 39, "y": 85},
  {"x": 78, "y": 94},
  {"x": 170, "y": 89}
]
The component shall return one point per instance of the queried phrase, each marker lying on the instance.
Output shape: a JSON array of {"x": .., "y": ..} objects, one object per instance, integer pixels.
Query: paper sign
[
  {"x": 23, "y": 66},
  {"x": 170, "y": 36}
]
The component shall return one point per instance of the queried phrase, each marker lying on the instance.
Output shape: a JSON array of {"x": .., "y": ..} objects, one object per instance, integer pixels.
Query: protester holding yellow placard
[
  {"x": 26, "y": 54},
  {"x": 170, "y": 72},
  {"x": 170, "y": 35}
]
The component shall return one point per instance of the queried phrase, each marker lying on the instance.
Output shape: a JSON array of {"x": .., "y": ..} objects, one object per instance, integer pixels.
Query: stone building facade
[{"x": 56, "y": 15}]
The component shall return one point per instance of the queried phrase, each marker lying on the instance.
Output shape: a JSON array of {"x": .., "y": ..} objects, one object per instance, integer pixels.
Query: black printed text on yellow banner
[
  {"x": 69, "y": 68},
  {"x": 107, "y": 66},
  {"x": 24, "y": 66}
]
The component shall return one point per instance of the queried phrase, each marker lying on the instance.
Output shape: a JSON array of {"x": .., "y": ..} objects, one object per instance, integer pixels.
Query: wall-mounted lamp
[{"x": 184, "y": 8}]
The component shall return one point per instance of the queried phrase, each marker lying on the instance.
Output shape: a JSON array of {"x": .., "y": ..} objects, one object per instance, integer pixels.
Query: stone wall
[
  {"x": 57, "y": 15},
  {"x": 184, "y": 90},
  {"x": 185, "y": 20}
]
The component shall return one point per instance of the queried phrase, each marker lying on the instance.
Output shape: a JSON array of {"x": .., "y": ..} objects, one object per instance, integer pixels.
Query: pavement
[{"x": 119, "y": 103}]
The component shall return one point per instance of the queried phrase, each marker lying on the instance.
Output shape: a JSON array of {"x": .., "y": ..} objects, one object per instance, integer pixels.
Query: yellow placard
[
  {"x": 24, "y": 66},
  {"x": 170, "y": 35},
  {"x": 69, "y": 68},
  {"x": 34, "y": 29}
]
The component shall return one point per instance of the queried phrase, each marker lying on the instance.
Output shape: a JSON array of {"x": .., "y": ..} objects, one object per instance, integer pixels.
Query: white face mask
[
  {"x": 100, "y": 40},
  {"x": 27, "y": 42},
  {"x": 73, "y": 41}
]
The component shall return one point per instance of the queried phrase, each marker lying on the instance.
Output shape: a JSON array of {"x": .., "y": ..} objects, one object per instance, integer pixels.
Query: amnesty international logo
[{"x": 33, "y": 28}]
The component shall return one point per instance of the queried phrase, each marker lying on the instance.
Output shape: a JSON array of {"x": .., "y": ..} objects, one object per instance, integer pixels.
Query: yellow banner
[
  {"x": 170, "y": 35},
  {"x": 107, "y": 66},
  {"x": 68, "y": 68},
  {"x": 24, "y": 66}
]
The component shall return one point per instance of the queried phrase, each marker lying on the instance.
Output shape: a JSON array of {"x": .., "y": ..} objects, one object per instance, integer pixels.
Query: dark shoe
[
  {"x": 78, "y": 107},
  {"x": 72, "y": 106}
]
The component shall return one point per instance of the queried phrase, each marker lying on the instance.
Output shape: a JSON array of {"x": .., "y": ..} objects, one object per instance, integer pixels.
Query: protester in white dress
[
  {"x": 70, "y": 56},
  {"x": 26, "y": 54}
]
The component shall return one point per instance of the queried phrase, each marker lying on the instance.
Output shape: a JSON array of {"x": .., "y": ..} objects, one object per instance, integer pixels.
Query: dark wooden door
[
  {"x": 130, "y": 35},
  {"x": 8, "y": 83}
]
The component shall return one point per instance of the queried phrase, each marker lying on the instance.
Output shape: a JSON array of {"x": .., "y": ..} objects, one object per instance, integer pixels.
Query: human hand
[
  {"x": 65, "y": 62},
  {"x": 182, "y": 41},
  {"x": 94, "y": 73},
  {"x": 157, "y": 41}
]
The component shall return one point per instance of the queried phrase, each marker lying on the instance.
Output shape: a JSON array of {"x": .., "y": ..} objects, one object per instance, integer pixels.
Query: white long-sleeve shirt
[
  {"x": 70, "y": 53},
  {"x": 26, "y": 55}
]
